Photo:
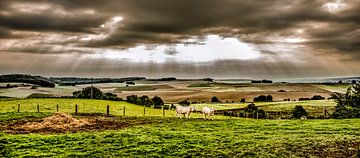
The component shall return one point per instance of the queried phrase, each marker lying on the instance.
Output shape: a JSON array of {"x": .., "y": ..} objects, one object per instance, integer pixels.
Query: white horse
[
  {"x": 184, "y": 110},
  {"x": 208, "y": 112}
]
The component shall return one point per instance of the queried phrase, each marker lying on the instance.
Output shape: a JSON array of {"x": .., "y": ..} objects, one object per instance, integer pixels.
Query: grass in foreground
[{"x": 198, "y": 138}]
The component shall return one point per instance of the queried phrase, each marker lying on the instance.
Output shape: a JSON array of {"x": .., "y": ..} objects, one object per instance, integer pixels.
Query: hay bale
[{"x": 58, "y": 121}]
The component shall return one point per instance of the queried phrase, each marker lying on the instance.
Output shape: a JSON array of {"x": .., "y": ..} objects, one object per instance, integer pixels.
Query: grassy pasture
[
  {"x": 84, "y": 106},
  {"x": 197, "y": 138}
]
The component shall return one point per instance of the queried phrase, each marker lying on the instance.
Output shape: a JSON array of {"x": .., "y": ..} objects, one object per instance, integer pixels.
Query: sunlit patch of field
[{"x": 340, "y": 88}]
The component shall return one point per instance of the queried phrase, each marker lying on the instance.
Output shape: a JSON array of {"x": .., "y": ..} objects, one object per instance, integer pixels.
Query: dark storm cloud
[
  {"x": 164, "y": 22},
  {"x": 167, "y": 22}
]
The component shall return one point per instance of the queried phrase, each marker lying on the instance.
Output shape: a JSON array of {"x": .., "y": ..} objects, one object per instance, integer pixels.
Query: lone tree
[
  {"x": 215, "y": 99},
  {"x": 298, "y": 112},
  {"x": 348, "y": 104}
]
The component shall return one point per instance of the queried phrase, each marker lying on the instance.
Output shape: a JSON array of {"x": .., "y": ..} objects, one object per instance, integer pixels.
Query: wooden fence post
[
  {"x": 230, "y": 114},
  {"x": 124, "y": 111},
  {"x": 107, "y": 110},
  {"x": 257, "y": 114},
  {"x": 76, "y": 109},
  {"x": 325, "y": 111},
  {"x": 18, "y": 108},
  {"x": 57, "y": 107},
  {"x": 38, "y": 108},
  {"x": 144, "y": 111},
  {"x": 163, "y": 112}
]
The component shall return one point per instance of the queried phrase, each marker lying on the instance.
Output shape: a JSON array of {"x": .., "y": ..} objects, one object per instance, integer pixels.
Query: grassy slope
[
  {"x": 84, "y": 106},
  {"x": 312, "y": 105},
  {"x": 180, "y": 138},
  {"x": 340, "y": 88}
]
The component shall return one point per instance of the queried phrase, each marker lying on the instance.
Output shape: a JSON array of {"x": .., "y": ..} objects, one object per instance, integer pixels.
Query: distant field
[
  {"x": 200, "y": 85},
  {"x": 176, "y": 91},
  {"x": 135, "y": 88},
  {"x": 340, "y": 88}
]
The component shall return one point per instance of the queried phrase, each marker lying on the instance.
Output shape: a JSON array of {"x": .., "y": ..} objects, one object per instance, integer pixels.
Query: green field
[
  {"x": 136, "y": 88},
  {"x": 84, "y": 106},
  {"x": 200, "y": 85},
  {"x": 172, "y": 137},
  {"x": 198, "y": 138},
  {"x": 309, "y": 105},
  {"x": 340, "y": 88}
]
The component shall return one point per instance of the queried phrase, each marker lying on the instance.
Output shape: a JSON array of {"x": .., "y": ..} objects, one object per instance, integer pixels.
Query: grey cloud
[{"x": 164, "y": 22}]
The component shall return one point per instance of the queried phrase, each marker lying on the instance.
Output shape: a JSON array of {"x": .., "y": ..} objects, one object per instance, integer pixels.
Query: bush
[
  {"x": 269, "y": 98},
  {"x": 131, "y": 99},
  {"x": 215, "y": 99},
  {"x": 158, "y": 102},
  {"x": 242, "y": 100},
  {"x": 184, "y": 103},
  {"x": 89, "y": 92},
  {"x": 261, "y": 113},
  {"x": 317, "y": 97},
  {"x": 263, "y": 98},
  {"x": 298, "y": 112},
  {"x": 111, "y": 96},
  {"x": 166, "y": 106},
  {"x": 40, "y": 95},
  {"x": 302, "y": 99},
  {"x": 144, "y": 101},
  {"x": 348, "y": 104},
  {"x": 251, "y": 108},
  {"x": 172, "y": 107}
]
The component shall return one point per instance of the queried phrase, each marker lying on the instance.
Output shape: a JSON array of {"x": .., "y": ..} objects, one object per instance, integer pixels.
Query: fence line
[{"x": 162, "y": 112}]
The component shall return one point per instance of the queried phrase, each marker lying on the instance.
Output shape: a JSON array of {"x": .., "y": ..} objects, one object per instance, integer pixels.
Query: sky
[{"x": 263, "y": 39}]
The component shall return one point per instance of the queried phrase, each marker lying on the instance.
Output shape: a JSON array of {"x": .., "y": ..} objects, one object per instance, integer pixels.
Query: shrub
[
  {"x": 131, "y": 99},
  {"x": 172, "y": 107},
  {"x": 215, "y": 99},
  {"x": 40, "y": 95},
  {"x": 263, "y": 98},
  {"x": 261, "y": 113},
  {"x": 184, "y": 103},
  {"x": 317, "y": 97},
  {"x": 348, "y": 104},
  {"x": 144, "y": 101},
  {"x": 89, "y": 92},
  {"x": 298, "y": 112},
  {"x": 158, "y": 102},
  {"x": 302, "y": 99},
  {"x": 166, "y": 106},
  {"x": 251, "y": 108},
  {"x": 111, "y": 96},
  {"x": 242, "y": 100}
]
